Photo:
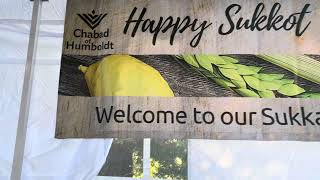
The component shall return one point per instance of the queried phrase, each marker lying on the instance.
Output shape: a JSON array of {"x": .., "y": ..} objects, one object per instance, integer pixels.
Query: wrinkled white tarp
[
  {"x": 22, "y": 9},
  {"x": 45, "y": 157}
]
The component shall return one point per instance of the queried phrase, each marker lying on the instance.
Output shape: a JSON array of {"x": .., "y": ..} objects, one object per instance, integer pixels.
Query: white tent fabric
[
  {"x": 22, "y": 9},
  {"x": 47, "y": 158}
]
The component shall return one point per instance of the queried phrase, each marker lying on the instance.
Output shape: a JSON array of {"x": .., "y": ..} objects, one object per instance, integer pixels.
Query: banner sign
[{"x": 208, "y": 69}]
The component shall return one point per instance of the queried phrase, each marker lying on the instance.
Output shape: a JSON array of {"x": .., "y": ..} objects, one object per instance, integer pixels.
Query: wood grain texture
[
  {"x": 239, "y": 42},
  {"x": 76, "y": 115},
  {"x": 76, "y": 118}
]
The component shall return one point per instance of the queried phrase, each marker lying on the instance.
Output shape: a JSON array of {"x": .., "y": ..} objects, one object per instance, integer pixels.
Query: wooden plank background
[
  {"x": 77, "y": 118},
  {"x": 239, "y": 42}
]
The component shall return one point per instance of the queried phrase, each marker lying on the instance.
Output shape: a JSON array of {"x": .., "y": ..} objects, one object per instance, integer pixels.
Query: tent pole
[{"x": 26, "y": 93}]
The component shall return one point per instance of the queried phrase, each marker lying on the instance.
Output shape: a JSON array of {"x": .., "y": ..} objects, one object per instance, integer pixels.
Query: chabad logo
[{"x": 92, "y": 20}]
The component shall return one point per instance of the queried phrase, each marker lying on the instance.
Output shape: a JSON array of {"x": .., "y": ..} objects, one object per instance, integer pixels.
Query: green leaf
[
  {"x": 204, "y": 62},
  {"x": 207, "y": 73},
  {"x": 266, "y": 94},
  {"x": 284, "y": 81},
  {"x": 227, "y": 66},
  {"x": 244, "y": 70},
  {"x": 269, "y": 85},
  {"x": 230, "y": 59},
  {"x": 214, "y": 59},
  {"x": 269, "y": 77},
  {"x": 255, "y": 68},
  {"x": 246, "y": 92},
  {"x": 301, "y": 65},
  {"x": 179, "y": 56},
  {"x": 304, "y": 95},
  {"x": 291, "y": 90},
  {"x": 255, "y": 83},
  {"x": 240, "y": 84},
  {"x": 314, "y": 95},
  {"x": 216, "y": 71},
  {"x": 224, "y": 83},
  {"x": 310, "y": 95},
  {"x": 230, "y": 73},
  {"x": 190, "y": 59}
]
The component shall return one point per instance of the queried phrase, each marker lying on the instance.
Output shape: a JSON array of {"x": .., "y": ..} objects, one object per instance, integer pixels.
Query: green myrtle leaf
[
  {"x": 314, "y": 95},
  {"x": 255, "y": 68},
  {"x": 216, "y": 71},
  {"x": 240, "y": 84},
  {"x": 269, "y": 85},
  {"x": 304, "y": 95},
  {"x": 179, "y": 56},
  {"x": 310, "y": 95},
  {"x": 224, "y": 83},
  {"x": 291, "y": 90},
  {"x": 204, "y": 62},
  {"x": 269, "y": 77},
  {"x": 284, "y": 81},
  {"x": 244, "y": 70},
  {"x": 190, "y": 59},
  {"x": 227, "y": 66},
  {"x": 255, "y": 83},
  {"x": 266, "y": 94},
  {"x": 246, "y": 92},
  {"x": 287, "y": 81},
  {"x": 230, "y": 73},
  {"x": 207, "y": 73},
  {"x": 214, "y": 59},
  {"x": 230, "y": 59}
]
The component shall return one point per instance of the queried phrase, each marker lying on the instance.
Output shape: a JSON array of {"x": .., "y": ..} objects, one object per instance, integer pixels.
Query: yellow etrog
[{"x": 124, "y": 75}]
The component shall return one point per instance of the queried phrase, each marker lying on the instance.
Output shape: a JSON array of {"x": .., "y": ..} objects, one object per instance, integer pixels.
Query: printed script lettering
[
  {"x": 274, "y": 20},
  {"x": 261, "y": 22},
  {"x": 164, "y": 25}
]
